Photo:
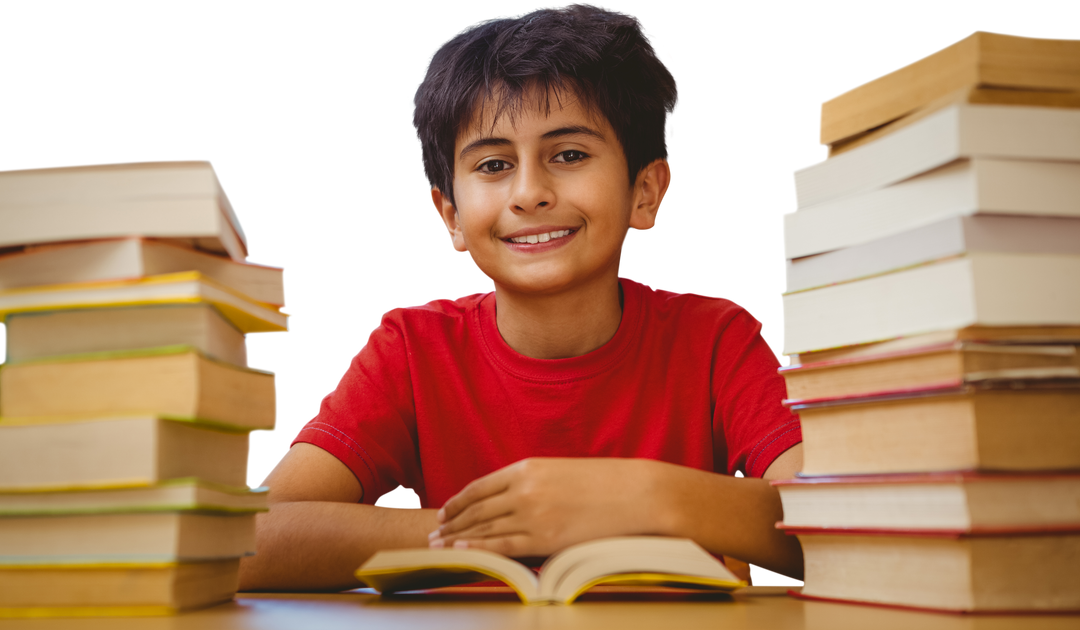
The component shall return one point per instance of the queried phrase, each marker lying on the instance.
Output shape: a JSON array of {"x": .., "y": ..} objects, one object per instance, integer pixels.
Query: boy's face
[{"x": 543, "y": 204}]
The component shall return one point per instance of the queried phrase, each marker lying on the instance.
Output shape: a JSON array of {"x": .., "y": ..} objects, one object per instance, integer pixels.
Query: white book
[
  {"x": 978, "y": 289},
  {"x": 961, "y": 188},
  {"x": 175, "y": 200},
  {"x": 959, "y": 131},
  {"x": 944, "y": 239}
]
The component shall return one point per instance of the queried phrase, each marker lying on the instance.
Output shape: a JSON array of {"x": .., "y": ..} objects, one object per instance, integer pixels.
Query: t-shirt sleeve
[
  {"x": 756, "y": 428},
  {"x": 369, "y": 421}
]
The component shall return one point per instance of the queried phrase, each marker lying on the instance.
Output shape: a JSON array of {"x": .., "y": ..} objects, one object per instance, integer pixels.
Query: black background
[{"x": 305, "y": 117}]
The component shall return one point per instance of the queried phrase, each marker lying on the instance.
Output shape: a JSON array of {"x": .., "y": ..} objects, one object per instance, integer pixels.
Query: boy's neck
[{"x": 560, "y": 326}]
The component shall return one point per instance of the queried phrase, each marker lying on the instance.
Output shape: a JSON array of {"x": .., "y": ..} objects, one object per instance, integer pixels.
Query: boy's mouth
[{"x": 540, "y": 238}]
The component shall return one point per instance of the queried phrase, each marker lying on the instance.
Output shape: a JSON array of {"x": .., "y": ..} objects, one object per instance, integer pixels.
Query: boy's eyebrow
[{"x": 574, "y": 130}]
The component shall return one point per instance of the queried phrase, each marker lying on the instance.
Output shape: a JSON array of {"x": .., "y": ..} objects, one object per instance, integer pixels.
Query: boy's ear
[
  {"x": 649, "y": 189},
  {"x": 448, "y": 213}
]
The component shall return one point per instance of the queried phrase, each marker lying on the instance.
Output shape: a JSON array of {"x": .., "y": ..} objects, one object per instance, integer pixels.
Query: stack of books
[
  {"x": 932, "y": 318},
  {"x": 125, "y": 398}
]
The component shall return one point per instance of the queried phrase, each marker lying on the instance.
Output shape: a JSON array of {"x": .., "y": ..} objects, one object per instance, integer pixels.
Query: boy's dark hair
[{"x": 599, "y": 56}]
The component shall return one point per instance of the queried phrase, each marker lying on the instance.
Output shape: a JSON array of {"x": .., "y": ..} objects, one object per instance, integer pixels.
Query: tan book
[
  {"x": 628, "y": 561},
  {"x": 115, "y": 590},
  {"x": 179, "y": 201},
  {"x": 980, "y": 60},
  {"x": 117, "y": 452},
  {"x": 173, "y": 495},
  {"x": 975, "y": 95},
  {"x": 1023, "y": 335},
  {"x": 948, "y": 572},
  {"x": 934, "y": 502},
  {"x": 1010, "y": 426},
  {"x": 175, "y": 382},
  {"x": 949, "y": 364},
  {"x": 131, "y": 537},
  {"x": 53, "y": 334},
  {"x": 189, "y": 287},
  {"x": 127, "y": 258},
  {"x": 979, "y": 289}
]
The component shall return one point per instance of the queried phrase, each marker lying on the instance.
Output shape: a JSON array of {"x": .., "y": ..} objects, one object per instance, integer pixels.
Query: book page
[
  {"x": 587, "y": 561},
  {"x": 644, "y": 570}
]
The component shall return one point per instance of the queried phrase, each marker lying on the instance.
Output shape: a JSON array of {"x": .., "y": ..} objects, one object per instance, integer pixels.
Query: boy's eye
[
  {"x": 570, "y": 155},
  {"x": 493, "y": 166}
]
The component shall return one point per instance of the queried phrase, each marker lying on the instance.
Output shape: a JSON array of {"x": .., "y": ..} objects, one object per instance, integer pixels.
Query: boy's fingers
[
  {"x": 512, "y": 545},
  {"x": 482, "y": 511},
  {"x": 478, "y": 490},
  {"x": 498, "y": 527}
]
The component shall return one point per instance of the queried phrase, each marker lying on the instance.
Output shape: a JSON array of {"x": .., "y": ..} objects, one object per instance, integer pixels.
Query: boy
[{"x": 567, "y": 405}]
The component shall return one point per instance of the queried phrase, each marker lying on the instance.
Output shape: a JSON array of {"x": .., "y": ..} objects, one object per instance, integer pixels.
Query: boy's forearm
[
  {"x": 725, "y": 515},
  {"x": 317, "y": 545}
]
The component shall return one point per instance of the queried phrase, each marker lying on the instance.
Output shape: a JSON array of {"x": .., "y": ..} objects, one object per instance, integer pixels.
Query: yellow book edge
[
  {"x": 123, "y": 484},
  {"x": 137, "y": 353},
  {"x": 659, "y": 579},
  {"x": 206, "y": 508},
  {"x": 96, "y": 566},
  {"x": 244, "y": 321},
  {"x": 212, "y": 425},
  {"x": 42, "y": 612}
]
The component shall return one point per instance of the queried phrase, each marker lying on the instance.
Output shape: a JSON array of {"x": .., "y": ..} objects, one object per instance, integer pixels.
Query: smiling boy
[{"x": 568, "y": 404}]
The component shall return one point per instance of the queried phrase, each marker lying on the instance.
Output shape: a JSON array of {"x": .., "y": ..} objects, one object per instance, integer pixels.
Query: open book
[{"x": 626, "y": 561}]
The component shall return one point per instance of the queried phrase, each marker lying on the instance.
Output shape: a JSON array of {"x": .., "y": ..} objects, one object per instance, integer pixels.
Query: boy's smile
[{"x": 544, "y": 200}]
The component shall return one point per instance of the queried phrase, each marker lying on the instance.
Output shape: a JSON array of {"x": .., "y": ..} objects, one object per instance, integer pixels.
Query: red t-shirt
[{"x": 437, "y": 399}]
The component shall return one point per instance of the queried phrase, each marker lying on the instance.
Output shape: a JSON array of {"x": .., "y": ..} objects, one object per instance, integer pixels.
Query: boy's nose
[{"x": 531, "y": 189}]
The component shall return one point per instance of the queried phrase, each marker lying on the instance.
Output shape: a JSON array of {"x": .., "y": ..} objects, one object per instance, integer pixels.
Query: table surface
[{"x": 753, "y": 608}]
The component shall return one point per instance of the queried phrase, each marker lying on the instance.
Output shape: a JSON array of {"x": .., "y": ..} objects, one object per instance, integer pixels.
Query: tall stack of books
[
  {"x": 932, "y": 318},
  {"x": 125, "y": 398}
]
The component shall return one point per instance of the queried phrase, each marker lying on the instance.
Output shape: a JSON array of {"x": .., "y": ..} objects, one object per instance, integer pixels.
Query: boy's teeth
[{"x": 540, "y": 238}]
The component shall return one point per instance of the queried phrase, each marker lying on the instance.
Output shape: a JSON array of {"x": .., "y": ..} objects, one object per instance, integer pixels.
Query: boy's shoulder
[
  {"x": 687, "y": 303},
  {"x": 440, "y": 310}
]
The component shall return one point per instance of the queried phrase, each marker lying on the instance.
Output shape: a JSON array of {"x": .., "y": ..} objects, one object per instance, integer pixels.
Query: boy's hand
[{"x": 536, "y": 507}]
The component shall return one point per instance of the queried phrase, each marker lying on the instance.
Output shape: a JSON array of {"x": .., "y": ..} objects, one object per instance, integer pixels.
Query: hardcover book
[
  {"x": 180, "y": 201},
  {"x": 39, "y": 335},
  {"x": 962, "y": 501},
  {"x": 115, "y": 590},
  {"x": 174, "y": 382},
  {"x": 127, "y": 258},
  {"x": 1007, "y": 426},
  {"x": 1005, "y": 62},
  {"x": 1022, "y": 572},
  {"x": 117, "y": 452}
]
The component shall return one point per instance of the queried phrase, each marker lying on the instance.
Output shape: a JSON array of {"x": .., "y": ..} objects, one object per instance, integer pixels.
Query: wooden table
[{"x": 760, "y": 608}]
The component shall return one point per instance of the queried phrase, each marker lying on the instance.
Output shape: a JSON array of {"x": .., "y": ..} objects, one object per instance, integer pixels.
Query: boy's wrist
[{"x": 660, "y": 512}]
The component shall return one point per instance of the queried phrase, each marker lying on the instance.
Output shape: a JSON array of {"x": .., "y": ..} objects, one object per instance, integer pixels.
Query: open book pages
[{"x": 630, "y": 561}]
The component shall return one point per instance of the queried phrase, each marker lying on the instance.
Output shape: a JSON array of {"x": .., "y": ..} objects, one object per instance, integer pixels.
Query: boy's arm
[
  {"x": 316, "y": 532},
  {"x": 745, "y": 527}
]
